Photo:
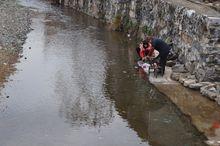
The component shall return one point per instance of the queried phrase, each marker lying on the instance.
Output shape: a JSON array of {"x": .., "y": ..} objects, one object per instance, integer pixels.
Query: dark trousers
[{"x": 163, "y": 61}]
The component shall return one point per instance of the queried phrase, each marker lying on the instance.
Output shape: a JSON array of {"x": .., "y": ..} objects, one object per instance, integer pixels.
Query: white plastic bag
[{"x": 146, "y": 67}]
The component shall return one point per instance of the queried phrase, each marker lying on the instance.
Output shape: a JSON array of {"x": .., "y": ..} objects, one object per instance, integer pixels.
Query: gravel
[{"x": 14, "y": 24}]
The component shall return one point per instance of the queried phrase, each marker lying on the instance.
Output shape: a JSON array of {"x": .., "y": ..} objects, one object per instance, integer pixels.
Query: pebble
[{"x": 15, "y": 19}]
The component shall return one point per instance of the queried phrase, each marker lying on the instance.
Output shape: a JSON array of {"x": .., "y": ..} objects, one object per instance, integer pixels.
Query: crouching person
[{"x": 163, "y": 49}]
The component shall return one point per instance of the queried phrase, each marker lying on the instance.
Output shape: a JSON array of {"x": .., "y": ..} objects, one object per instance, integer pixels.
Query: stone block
[
  {"x": 197, "y": 86},
  {"x": 188, "y": 82},
  {"x": 183, "y": 78},
  {"x": 175, "y": 76},
  {"x": 209, "y": 91},
  {"x": 171, "y": 63},
  {"x": 214, "y": 21}
]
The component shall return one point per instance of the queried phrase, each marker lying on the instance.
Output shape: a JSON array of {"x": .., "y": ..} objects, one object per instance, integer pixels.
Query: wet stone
[
  {"x": 171, "y": 63},
  {"x": 175, "y": 76},
  {"x": 197, "y": 86},
  {"x": 188, "y": 82},
  {"x": 213, "y": 89},
  {"x": 183, "y": 77},
  {"x": 209, "y": 91}
]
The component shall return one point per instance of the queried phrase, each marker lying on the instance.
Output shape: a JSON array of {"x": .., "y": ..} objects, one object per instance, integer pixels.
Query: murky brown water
[{"x": 78, "y": 87}]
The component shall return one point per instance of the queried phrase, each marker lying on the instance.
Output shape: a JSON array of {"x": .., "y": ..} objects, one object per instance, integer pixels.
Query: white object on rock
[
  {"x": 190, "y": 12},
  {"x": 146, "y": 67}
]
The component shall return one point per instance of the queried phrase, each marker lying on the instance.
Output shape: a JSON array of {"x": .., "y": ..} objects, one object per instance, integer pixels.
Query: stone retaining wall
[{"x": 196, "y": 37}]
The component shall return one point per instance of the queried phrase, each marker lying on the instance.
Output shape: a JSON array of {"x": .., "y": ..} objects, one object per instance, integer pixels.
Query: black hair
[{"x": 145, "y": 43}]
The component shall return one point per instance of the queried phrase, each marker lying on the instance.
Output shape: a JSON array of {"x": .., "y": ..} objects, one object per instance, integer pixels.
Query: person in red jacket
[{"x": 144, "y": 50}]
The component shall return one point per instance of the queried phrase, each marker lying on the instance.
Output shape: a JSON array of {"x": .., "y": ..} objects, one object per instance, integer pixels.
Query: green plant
[{"x": 147, "y": 30}]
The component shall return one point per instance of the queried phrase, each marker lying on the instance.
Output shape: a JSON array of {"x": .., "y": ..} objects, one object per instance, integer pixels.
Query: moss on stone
[{"x": 147, "y": 30}]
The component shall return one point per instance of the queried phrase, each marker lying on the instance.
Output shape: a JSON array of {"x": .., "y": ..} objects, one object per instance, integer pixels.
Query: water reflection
[
  {"x": 148, "y": 112},
  {"x": 80, "y": 88},
  {"x": 80, "y": 73}
]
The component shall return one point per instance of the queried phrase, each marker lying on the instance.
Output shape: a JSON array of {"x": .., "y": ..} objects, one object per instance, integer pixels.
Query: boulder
[
  {"x": 210, "y": 91},
  {"x": 171, "y": 63},
  {"x": 197, "y": 86},
  {"x": 175, "y": 76},
  {"x": 188, "y": 82},
  {"x": 183, "y": 77}
]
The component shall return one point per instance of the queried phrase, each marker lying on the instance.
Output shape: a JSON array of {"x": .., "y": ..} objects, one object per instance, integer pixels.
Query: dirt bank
[{"x": 14, "y": 25}]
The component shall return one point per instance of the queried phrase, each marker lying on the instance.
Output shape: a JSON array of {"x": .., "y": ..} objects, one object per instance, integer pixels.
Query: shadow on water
[{"x": 84, "y": 75}]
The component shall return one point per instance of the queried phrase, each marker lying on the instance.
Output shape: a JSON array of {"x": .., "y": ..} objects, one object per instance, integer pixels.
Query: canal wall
[
  {"x": 196, "y": 36},
  {"x": 194, "y": 29}
]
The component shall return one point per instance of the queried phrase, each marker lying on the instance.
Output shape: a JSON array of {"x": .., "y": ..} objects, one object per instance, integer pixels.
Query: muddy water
[{"x": 76, "y": 85}]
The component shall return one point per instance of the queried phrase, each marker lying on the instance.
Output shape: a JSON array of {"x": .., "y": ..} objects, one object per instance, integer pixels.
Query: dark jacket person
[{"x": 163, "y": 48}]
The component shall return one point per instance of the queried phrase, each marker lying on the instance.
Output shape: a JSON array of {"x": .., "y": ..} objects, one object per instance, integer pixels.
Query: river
[{"x": 76, "y": 85}]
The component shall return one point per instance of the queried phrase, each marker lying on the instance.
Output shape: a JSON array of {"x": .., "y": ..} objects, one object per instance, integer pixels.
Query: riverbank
[
  {"x": 203, "y": 112},
  {"x": 14, "y": 25}
]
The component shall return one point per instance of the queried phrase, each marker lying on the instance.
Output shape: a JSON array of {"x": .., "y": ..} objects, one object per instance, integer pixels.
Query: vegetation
[{"x": 147, "y": 30}]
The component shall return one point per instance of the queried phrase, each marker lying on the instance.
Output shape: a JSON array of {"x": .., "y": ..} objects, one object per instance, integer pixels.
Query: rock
[
  {"x": 179, "y": 68},
  {"x": 197, "y": 86},
  {"x": 191, "y": 77},
  {"x": 218, "y": 87},
  {"x": 171, "y": 63},
  {"x": 212, "y": 90},
  {"x": 205, "y": 90},
  {"x": 188, "y": 82},
  {"x": 175, "y": 76},
  {"x": 182, "y": 80},
  {"x": 183, "y": 77}
]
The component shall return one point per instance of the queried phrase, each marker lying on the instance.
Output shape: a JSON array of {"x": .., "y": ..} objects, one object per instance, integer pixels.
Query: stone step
[{"x": 214, "y": 21}]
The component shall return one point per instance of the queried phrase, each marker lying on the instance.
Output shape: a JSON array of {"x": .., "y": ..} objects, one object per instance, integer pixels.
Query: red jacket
[{"x": 142, "y": 53}]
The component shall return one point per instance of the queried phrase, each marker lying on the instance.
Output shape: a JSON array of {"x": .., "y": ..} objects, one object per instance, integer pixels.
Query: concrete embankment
[
  {"x": 203, "y": 113},
  {"x": 14, "y": 25}
]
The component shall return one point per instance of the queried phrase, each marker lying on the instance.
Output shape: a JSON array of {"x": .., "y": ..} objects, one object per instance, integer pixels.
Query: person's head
[{"x": 145, "y": 44}]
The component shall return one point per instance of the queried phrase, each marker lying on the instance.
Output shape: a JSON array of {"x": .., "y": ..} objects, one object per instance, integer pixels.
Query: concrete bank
[{"x": 203, "y": 112}]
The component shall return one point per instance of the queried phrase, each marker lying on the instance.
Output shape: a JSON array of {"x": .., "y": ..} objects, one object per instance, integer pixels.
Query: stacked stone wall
[{"x": 196, "y": 36}]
